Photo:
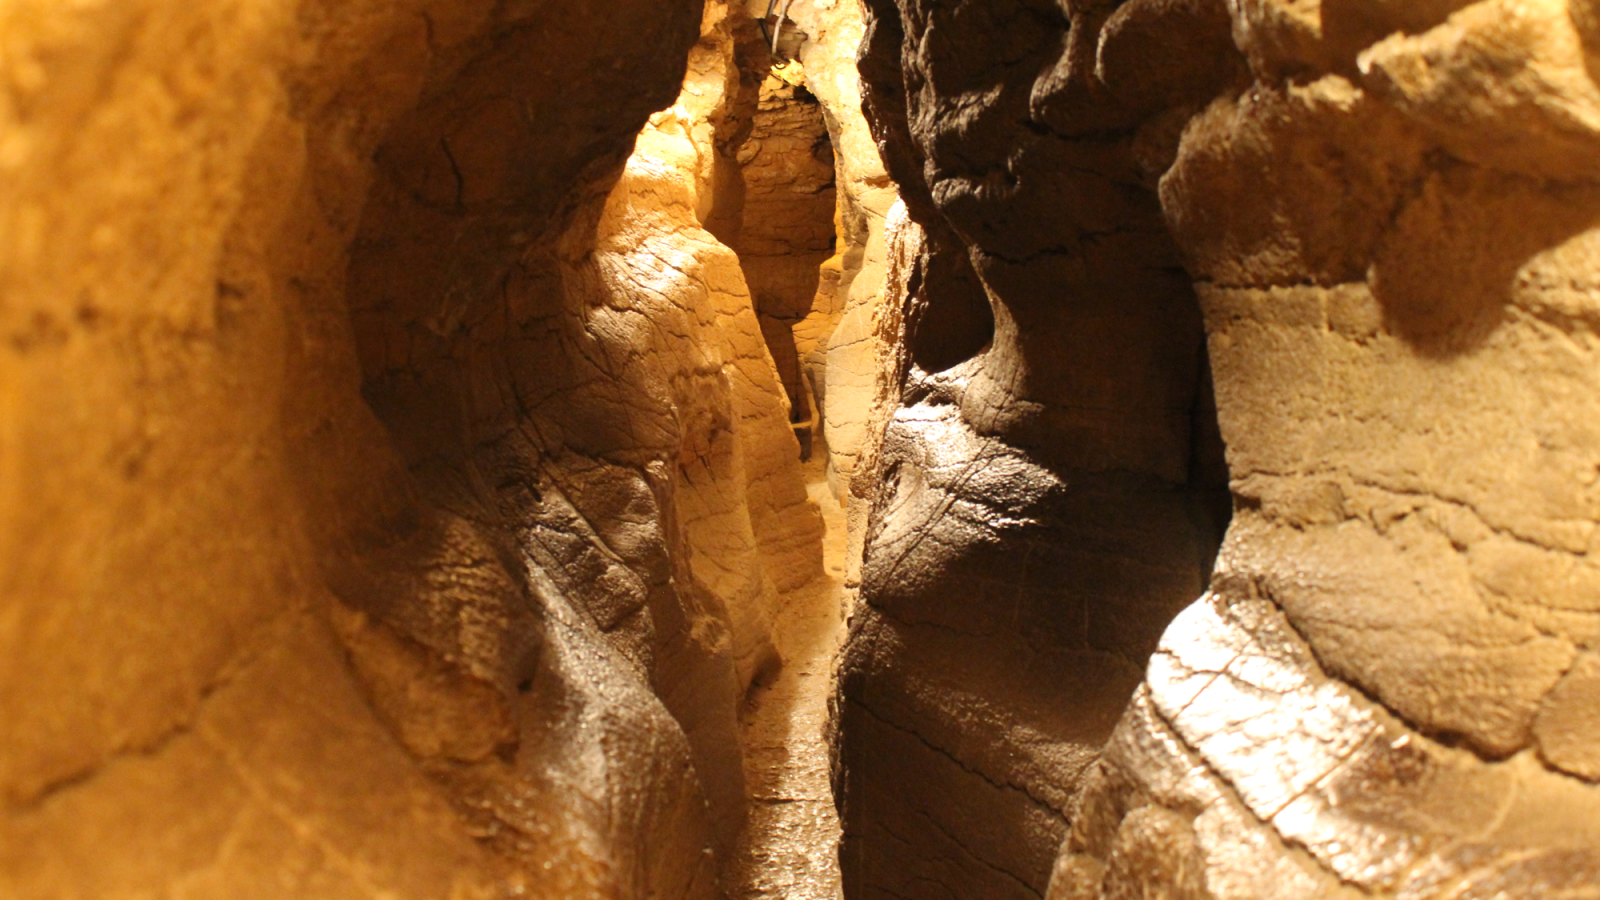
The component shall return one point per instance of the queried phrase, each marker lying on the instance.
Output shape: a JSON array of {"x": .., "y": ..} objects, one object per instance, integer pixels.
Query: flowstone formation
[
  {"x": 1387, "y": 213},
  {"x": 397, "y": 489}
]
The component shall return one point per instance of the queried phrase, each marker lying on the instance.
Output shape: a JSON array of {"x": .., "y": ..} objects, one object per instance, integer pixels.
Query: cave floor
[{"x": 789, "y": 849}]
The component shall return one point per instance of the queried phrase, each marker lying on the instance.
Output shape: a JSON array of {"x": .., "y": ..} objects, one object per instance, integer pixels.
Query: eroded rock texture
[
  {"x": 839, "y": 339},
  {"x": 804, "y": 197},
  {"x": 394, "y": 485},
  {"x": 1041, "y": 495},
  {"x": 786, "y": 228},
  {"x": 1387, "y": 212},
  {"x": 1403, "y": 369}
]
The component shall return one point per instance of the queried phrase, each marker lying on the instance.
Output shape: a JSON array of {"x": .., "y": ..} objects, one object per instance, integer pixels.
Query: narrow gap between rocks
[
  {"x": 775, "y": 203},
  {"x": 789, "y": 849},
  {"x": 437, "y": 439},
  {"x": 766, "y": 119}
]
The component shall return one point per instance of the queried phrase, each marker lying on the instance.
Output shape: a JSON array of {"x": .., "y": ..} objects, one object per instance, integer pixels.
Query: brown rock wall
[
  {"x": 1385, "y": 211},
  {"x": 385, "y": 509},
  {"x": 1040, "y": 497}
]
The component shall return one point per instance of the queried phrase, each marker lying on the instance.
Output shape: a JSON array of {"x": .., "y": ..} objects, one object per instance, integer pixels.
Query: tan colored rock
[
  {"x": 1503, "y": 85},
  {"x": 746, "y": 526},
  {"x": 837, "y": 337},
  {"x": 1387, "y": 212},
  {"x": 1405, "y": 427},
  {"x": 384, "y": 511},
  {"x": 833, "y": 331},
  {"x": 1568, "y": 725},
  {"x": 1312, "y": 782},
  {"x": 786, "y": 227}
]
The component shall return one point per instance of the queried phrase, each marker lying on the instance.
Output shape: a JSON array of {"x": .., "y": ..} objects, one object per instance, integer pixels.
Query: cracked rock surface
[
  {"x": 1384, "y": 214},
  {"x": 397, "y": 491},
  {"x": 1044, "y": 498},
  {"x": 399, "y": 497}
]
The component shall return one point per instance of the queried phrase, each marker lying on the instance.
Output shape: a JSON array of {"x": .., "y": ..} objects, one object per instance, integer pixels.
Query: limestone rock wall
[
  {"x": 778, "y": 148},
  {"x": 390, "y": 507},
  {"x": 1386, "y": 214},
  {"x": 787, "y": 224},
  {"x": 1044, "y": 497},
  {"x": 838, "y": 339},
  {"x": 1400, "y": 622}
]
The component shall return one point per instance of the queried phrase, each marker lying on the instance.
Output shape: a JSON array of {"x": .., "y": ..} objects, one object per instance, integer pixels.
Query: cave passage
[
  {"x": 403, "y": 404},
  {"x": 774, "y": 203},
  {"x": 789, "y": 206},
  {"x": 778, "y": 212},
  {"x": 789, "y": 848}
]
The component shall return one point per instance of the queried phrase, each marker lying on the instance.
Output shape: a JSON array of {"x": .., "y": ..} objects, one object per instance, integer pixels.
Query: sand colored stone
[
  {"x": 397, "y": 493},
  {"x": 1386, "y": 213}
]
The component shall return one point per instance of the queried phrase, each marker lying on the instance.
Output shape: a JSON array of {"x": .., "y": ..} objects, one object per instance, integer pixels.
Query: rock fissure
[{"x": 971, "y": 770}]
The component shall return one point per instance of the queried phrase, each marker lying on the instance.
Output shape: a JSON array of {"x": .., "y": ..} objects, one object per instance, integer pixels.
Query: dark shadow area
[
  {"x": 1448, "y": 267},
  {"x": 950, "y": 320}
]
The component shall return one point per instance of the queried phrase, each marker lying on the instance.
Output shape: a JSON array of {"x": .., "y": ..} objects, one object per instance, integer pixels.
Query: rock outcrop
[
  {"x": 1387, "y": 215},
  {"x": 396, "y": 485},
  {"x": 805, "y": 200},
  {"x": 1044, "y": 496}
]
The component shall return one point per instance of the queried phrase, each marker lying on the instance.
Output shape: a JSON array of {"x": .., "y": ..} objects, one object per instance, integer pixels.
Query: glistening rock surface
[
  {"x": 1041, "y": 506},
  {"x": 1387, "y": 212}
]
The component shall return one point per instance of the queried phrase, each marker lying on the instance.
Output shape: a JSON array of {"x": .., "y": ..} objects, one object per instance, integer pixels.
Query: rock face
[
  {"x": 786, "y": 227},
  {"x": 1387, "y": 214},
  {"x": 1042, "y": 506},
  {"x": 849, "y": 340},
  {"x": 396, "y": 488},
  {"x": 398, "y": 494}
]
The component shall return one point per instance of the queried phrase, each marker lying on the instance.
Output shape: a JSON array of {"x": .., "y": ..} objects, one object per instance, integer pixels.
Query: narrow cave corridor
[
  {"x": 802, "y": 449},
  {"x": 779, "y": 216},
  {"x": 789, "y": 849},
  {"x": 771, "y": 197}
]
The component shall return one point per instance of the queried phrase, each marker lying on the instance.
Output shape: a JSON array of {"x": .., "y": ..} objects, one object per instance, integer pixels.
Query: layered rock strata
[{"x": 818, "y": 197}]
